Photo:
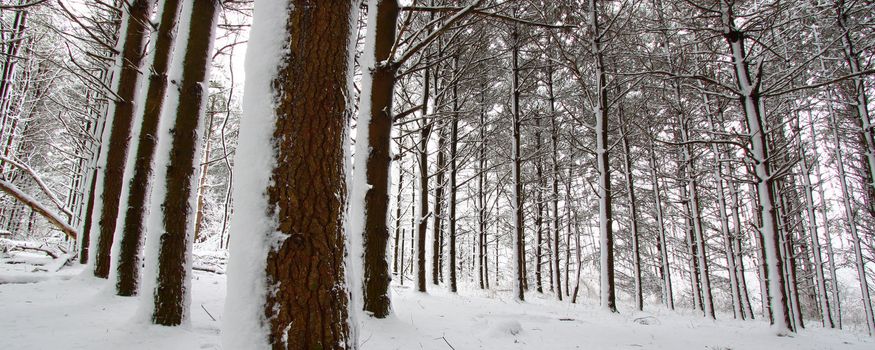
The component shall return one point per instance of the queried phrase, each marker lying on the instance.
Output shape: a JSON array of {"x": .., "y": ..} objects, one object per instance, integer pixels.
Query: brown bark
[
  {"x": 376, "y": 206},
  {"x": 120, "y": 130},
  {"x": 132, "y": 230},
  {"x": 188, "y": 124},
  {"x": 307, "y": 305}
]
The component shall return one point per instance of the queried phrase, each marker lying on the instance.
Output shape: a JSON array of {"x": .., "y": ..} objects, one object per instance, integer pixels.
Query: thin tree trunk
[
  {"x": 454, "y": 131},
  {"x": 754, "y": 113},
  {"x": 852, "y": 225},
  {"x": 554, "y": 161},
  {"x": 518, "y": 215},
  {"x": 664, "y": 268},
  {"x": 633, "y": 214}
]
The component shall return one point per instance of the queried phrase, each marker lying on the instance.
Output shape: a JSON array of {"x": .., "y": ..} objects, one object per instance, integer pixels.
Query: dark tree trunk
[
  {"x": 308, "y": 307},
  {"x": 422, "y": 224},
  {"x": 379, "y": 135},
  {"x": 451, "y": 203},
  {"x": 136, "y": 32},
  {"x": 180, "y": 184},
  {"x": 137, "y": 201}
]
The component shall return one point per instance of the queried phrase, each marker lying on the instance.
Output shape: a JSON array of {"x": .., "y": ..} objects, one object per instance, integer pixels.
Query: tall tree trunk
[
  {"x": 724, "y": 222},
  {"x": 398, "y": 239},
  {"x": 664, "y": 269},
  {"x": 437, "y": 224},
  {"x": 483, "y": 272},
  {"x": 422, "y": 224},
  {"x": 451, "y": 203},
  {"x": 288, "y": 247},
  {"x": 111, "y": 178},
  {"x": 852, "y": 226},
  {"x": 754, "y": 113},
  {"x": 539, "y": 208},
  {"x": 516, "y": 197},
  {"x": 137, "y": 202},
  {"x": 370, "y": 195},
  {"x": 606, "y": 230},
  {"x": 171, "y": 220},
  {"x": 861, "y": 101},
  {"x": 554, "y": 186},
  {"x": 739, "y": 257},
  {"x": 633, "y": 214}
]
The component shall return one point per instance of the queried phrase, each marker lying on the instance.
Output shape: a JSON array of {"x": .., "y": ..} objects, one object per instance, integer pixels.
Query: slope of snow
[{"x": 66, "y": 310}]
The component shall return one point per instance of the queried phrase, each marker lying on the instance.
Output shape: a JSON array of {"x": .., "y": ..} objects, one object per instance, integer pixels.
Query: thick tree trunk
[
  {"x": 172, "y": 212},
  {"x": 111, "y": 177},
  {"x": 297, "y": 113},
  {"x": 128, "y": 276}
]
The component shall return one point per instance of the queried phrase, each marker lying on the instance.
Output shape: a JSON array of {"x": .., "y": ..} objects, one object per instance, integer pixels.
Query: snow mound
[{"x": 507, "y": 327}]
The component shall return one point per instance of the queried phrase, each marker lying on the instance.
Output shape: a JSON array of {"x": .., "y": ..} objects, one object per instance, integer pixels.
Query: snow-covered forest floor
[{"x": 71, "y": 310}]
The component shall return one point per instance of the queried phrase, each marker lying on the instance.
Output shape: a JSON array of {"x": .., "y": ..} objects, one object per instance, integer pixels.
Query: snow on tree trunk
[
  {"x": 369, "y": 197},
  {"x": 519, "y": 249},
  {"x": 851, "y": 221},
  {"x": 606, "y": 233},
  {"x": 170, "y": 224},
  {"x": 111, "y": 179},
  {"x": 754, "y": 114},
  {"x": 287, "y": 281},
  {"x": 131, "y": 224},
  {"x": 665, "y": 269}
]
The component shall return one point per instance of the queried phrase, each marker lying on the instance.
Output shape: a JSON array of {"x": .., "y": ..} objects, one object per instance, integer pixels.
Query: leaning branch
[{"x": 38, "y": 207}]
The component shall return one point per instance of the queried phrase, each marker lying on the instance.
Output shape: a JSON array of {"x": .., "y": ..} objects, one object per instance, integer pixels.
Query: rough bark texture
[
  {"x": 376, "y": 206},
  {"x": 120, "y": 130},
  {"x": 174, "y": 251},
  {"x": 306, "y": 306},
  {"x": 132, "y": 231}
]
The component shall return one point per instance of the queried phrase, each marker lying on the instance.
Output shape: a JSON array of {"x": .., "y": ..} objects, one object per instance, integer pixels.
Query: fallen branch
[{"x": 38, "y": 207}]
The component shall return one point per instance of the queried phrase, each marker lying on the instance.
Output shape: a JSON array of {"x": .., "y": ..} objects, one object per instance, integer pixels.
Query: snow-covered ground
[{"x": 70, "y": 310}]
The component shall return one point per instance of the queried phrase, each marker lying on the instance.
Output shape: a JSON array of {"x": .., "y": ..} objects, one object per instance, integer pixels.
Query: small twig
[
  {"x": 208, "y": 313},
  {"x": 448, "y": 343}
]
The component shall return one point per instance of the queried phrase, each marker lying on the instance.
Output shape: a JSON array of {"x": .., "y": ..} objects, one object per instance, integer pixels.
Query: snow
[
  {"x": 251, "y": 223},
  {"x": 100, "y": 162},
  {"x": 154, "y": 217},
  {"x": 70, "y": 310},
  {"x": 359, "y": 186}
]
